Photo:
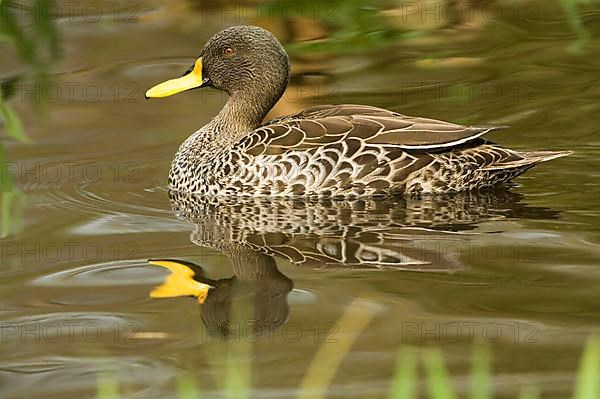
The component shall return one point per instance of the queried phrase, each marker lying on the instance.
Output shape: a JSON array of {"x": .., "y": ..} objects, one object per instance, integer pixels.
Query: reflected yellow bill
[{"x": 179, "y": 283}]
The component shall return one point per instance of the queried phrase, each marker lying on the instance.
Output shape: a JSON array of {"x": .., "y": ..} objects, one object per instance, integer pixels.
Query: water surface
[{"x": 516, "y": 268}]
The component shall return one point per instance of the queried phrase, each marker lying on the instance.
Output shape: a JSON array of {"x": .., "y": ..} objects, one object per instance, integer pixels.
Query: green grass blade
[
  {"x": 234, "y": 377},
  {"x": 12, "y": 123},
  {"x": 405, "y": 377},
  {"x": 187, "y": 387},
  {"x": 5, "y": 212},
  {"x": 529, "y": 393},
  {"x": 107, "y": 385},
  {"x": 46, "y": 28},
  {"x": 12, "y": 205},
  {"x": 480, "y": 373},
  {"x": 238, "y": 380},
  {"x": 588, "y": 376},
  {"x": 572, "y": 13},
  {"x": 10, "y": 28},
  {"x": 6, "y": 184},
  {"x": 438, "y": 382},
  {"x": 329, "y": 356}
]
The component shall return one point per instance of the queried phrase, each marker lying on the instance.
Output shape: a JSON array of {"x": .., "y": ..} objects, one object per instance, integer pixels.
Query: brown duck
[{"x": 339, "y": 151}]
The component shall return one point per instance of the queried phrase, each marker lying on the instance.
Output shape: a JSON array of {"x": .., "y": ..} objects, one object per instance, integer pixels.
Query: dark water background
[{"x": 517, "y": 269}]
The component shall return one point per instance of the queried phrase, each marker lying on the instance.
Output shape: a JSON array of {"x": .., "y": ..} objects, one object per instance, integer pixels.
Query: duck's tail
[{"x": 528, "y": 160}]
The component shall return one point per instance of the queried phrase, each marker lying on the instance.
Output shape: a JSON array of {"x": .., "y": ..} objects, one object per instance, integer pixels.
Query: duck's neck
[
  {"x": 244, "y": 112},
  {"x": 240, "y": 115}
]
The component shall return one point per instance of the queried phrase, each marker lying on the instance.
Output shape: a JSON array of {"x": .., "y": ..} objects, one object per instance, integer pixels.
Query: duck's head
[{"x": 241, "y": 60}]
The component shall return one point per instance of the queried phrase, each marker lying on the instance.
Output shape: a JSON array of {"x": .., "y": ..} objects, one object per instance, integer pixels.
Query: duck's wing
[
  {"x": 323, "y": 111},
  {"x": 357, "y": 125}
]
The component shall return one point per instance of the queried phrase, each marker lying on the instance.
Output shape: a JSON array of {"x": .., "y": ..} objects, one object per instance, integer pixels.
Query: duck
[{"x": 327, "y": 151}]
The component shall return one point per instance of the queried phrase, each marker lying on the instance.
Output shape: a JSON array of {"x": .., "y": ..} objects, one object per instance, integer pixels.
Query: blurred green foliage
[
  {"x": 354, "y": 25},
  {"x": 12, "y": 201},
  {"x": 572, "y": 12},
  {"x": 405, "y": 381},
  {"x": 357, "y": 25},
  {"x": 230, "y": 362},
  {"x": 37, "y": 46}
]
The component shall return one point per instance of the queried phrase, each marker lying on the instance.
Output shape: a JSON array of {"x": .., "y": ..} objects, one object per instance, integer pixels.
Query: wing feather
[{"x": 328, "y": 124}]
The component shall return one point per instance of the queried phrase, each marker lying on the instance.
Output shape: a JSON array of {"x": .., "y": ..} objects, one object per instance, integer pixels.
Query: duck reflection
[
  {"x": 383, "y": 233},
  {"x": 257, "y": 283}
]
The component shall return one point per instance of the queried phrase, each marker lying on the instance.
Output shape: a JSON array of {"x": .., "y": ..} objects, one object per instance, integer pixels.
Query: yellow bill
[
  {"x": 190, "y": 80},
  {"x": 179, "y": 283}
]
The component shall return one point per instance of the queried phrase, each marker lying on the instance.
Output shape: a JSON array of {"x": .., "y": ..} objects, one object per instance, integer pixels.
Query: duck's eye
[{"x": 229, "y": 51}]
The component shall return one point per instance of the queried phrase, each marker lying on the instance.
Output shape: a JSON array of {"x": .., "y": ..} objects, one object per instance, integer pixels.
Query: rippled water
[{"x": 516, "y": 268}]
